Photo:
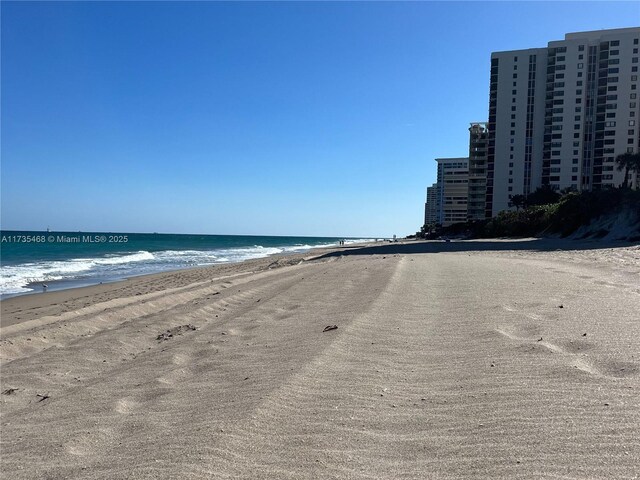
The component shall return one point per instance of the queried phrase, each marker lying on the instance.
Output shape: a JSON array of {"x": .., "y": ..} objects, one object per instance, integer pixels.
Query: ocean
[{"x": 72, "y": 259}]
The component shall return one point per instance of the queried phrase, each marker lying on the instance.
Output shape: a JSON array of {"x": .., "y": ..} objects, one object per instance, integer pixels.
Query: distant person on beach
[{"x": 44, "y": 287}]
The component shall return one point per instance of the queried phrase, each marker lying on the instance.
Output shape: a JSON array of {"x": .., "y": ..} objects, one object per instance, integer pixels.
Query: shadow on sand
[{"x": 439, "y": 246}]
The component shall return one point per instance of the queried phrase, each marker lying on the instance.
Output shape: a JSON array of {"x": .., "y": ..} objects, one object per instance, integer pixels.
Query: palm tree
[
  {"x": 518, "y": 201},
  {"x": 629, "y": 162}
]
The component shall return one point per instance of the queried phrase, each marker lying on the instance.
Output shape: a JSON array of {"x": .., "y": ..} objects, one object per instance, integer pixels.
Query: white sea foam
[
  {"x": 15, "y": 278},
  {"x": 119, "y": 259}
]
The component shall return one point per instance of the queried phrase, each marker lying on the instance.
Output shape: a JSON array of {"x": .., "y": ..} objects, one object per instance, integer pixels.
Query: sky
[{"x": 269, "y": 118}]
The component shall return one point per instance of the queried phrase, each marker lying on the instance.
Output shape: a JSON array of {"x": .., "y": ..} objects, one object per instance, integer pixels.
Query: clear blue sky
[{"x": 250, "y": 118}]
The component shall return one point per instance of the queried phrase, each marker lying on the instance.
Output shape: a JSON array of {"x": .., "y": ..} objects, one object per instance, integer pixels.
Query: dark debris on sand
[{"x": 175, "y": 331}]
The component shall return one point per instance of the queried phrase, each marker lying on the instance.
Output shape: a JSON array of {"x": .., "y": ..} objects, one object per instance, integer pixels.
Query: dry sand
[{"x": 503, "y": 359}]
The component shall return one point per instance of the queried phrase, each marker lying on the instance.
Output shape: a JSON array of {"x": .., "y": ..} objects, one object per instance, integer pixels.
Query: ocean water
[{"x": 71, "y": 259}]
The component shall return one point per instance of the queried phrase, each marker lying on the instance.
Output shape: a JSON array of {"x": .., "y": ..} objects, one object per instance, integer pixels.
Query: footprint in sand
[
  {"x": 126, "y": 405},
  {"x": 181, "y": 359},
  {"x": 175, "y": 376},
  {"x": 572, "y": 352},
  {"x": 91, "y": 442}
]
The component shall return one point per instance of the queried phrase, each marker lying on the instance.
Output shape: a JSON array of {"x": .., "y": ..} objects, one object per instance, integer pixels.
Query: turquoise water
[{"x": 70, "y": 259}]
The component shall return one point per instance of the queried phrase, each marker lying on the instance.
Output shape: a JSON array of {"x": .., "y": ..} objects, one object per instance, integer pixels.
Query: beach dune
[{"x": 496, "y": 359}]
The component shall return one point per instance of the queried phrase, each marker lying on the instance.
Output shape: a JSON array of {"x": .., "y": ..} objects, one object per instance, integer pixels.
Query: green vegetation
[
  {"x": 563, "y": 217},
  {"x": 629, "y": 162},
  {"x": 547, "y": 212}
]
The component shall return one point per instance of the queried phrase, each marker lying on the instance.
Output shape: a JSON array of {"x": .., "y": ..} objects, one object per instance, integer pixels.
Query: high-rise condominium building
[
  {"x": 478, "y": 139},
  {"x": 560, "y": 115},
  {"x": 431, "y": 208},
  {"x": 452, "y": 189}
]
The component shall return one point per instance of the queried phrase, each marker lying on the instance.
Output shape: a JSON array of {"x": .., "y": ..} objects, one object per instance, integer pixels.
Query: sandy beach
[{"x": 475, "y": 359}]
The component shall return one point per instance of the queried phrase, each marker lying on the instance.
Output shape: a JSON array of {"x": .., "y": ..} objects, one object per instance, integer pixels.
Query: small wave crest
[
  {"x": 21, "y": 278},
  {"x": 17, "y": 278}
]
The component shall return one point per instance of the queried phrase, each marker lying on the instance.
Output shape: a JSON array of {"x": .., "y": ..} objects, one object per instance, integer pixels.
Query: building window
[
  {"x": 580, "y": 65},
  {"x": 579, "y": 83},
  {"x": 581, "y": 48},
  {"x": 510, "y": 164},
  {"x": 615, "y": 43},
  {"x": 632, "y": 96},
  {"x": 630, "y": 132},
  {"x": 515, "y": 75},
  {"x": 579, "y": 74},
  {"x": 632, "y": 123}
]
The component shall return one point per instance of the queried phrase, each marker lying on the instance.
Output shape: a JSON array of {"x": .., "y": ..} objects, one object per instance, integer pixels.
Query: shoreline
[
  {"x": 449, "y": 360},
  {"x": 25, "y": 307},
  {"x": 28, "y": 306},
  {"x": 27, "y": 266},
  {"x": 54, "y": 285}
]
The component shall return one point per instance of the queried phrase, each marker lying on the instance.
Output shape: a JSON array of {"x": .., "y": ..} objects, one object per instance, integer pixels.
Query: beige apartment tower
[
  {"x": 559, "y": 116},
  {"x": 453, "y": 190}
]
